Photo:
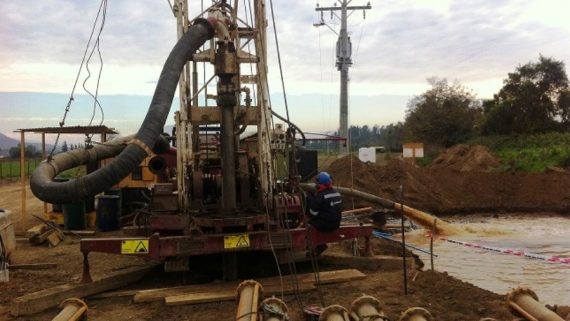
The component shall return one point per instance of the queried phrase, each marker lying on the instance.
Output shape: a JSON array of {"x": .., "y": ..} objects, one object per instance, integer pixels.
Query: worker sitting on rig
[{"x": 325, "y": 206}]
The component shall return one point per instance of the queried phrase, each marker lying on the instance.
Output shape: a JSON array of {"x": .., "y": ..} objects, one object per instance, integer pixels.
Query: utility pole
[{"x": 343, "y": 58}]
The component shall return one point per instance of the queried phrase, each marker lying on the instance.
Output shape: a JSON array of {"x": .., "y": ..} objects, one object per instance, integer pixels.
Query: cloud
[{"x": 397, "y": 46}]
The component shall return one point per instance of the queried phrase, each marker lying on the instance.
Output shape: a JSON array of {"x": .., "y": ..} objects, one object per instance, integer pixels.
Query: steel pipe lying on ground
[
  {"x": 422, "y": 218},
  {"x": 72, "y": 309},
  {"x": 130, "y": 156},
  {"x": 334, "y": 313},
  {"x": 248, "y": 294},
  {"x": 367, "y": 308},
  {"x": 525, "y": 302},
  {"x": 416, "y": 314},
  {"x": 273, "y": 309}
]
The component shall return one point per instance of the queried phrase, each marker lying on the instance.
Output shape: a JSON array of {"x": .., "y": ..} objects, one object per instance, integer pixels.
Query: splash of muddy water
[{"x": 540, "y": 234}]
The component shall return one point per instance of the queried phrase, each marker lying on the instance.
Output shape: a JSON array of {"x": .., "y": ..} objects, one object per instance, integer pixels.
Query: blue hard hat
[{"x": 324, "y": 178}]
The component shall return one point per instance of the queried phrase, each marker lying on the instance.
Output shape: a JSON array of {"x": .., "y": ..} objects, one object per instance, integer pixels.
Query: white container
[{"x": 367, "y": 154}]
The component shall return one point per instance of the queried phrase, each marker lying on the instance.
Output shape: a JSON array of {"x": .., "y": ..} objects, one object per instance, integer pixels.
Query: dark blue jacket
[{"x": 325, "y": 210}]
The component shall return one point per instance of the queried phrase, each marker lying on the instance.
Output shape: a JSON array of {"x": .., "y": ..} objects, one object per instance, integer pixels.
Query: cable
[
  {"x": 279, "y": 60},
  {"x": 290, "y": 124},
  {"x": 96, "y": 102},
  {"x": 71, "y": 98}
]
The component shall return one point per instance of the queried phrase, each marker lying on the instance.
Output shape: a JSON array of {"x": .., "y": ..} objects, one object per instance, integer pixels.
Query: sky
[{"x": 396, "y": 48}]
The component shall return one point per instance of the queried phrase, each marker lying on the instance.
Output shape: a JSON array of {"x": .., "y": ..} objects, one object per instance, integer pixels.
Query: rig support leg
[
  {"x": 86, "y": 275},
  {"x": 525, "y": 302},
  {"x": 248, "y": 294}
]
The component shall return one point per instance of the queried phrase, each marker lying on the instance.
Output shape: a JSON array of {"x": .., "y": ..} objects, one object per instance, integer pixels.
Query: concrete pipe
[
  {"x": 367, "y": 308},
  {"x": 416, "y": 314},
  {"x": 248, "y": 294},
  {"x": 525, "y": 302},
  {"x": 334, "y": 313},
  {"x": 273, "y": 309},
  {"x": 72, "y": 309}
]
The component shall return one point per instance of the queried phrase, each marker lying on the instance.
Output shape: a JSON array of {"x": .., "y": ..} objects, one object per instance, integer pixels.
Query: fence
[{"x": 10, "y": 168}]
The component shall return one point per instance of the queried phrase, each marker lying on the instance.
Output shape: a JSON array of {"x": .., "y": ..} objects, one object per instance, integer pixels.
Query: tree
[
  {"x": 444, "y": 115},
  {"x": 31, "y": 151},
  {"x": 535, "y": 98}
]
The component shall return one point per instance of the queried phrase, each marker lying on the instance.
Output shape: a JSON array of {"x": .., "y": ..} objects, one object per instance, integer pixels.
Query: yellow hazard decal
[
  {"x": 236, "y": 241},
  {"x": 134, "y": 247}
]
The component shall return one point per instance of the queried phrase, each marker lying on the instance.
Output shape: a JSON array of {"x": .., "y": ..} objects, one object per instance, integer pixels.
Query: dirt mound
[
  {"x": 466, "y": 158},
  {"x": 449, "y": 191}
]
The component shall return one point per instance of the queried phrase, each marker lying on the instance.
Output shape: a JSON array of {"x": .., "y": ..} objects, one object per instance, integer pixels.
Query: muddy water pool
[{"x": 541, "y": 234}]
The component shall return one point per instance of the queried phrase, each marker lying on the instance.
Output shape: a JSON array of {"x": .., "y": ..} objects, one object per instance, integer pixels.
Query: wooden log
[
  {"x": 32, "y": 266},
  {"x": 327, "y": 277},
  {"x": 48, "y": 298}
]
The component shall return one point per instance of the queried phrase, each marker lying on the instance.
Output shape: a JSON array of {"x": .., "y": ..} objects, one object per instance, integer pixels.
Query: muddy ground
[
  {"x": 440, "y": 190},
  {"x": 446, "y": 297}
]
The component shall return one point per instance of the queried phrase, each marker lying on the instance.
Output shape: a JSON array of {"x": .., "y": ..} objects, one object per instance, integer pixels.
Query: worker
[{"x": 325, "y": 206}]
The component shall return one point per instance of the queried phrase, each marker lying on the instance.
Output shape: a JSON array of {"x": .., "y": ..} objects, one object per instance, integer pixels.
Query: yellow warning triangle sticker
[
  {"x": 242, "y": 242},
  {"x": 141, "y": 248}
]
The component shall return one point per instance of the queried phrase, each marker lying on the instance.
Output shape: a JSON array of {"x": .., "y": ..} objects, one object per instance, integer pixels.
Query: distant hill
[{"x": 7, "y": 142}]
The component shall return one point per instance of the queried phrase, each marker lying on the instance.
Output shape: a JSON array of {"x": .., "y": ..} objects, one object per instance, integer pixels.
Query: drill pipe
[
  {"x": 416, "y": 314},
  {"x": 367, "y": 308},
  {"x": 248, "y": 294},
  {"x": 525, "y": 302},
  {"x": 418, "y": 216},
  {"x": 334, "y": 313},
  {"x": 134, "y": 153},
  {"x": 273, "y": 309},
  {"x": 72, "y": 310}
]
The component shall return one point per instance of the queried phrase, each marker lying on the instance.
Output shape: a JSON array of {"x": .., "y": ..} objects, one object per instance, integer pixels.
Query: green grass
[
  {"x": 10, "y": 168},
  {"x": 529, "y": 153}
]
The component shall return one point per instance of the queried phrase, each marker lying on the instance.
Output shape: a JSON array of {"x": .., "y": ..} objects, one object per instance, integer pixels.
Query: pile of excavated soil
[
  {"x": 465, "y": 158},
  {"x": 447, "y": 191}
]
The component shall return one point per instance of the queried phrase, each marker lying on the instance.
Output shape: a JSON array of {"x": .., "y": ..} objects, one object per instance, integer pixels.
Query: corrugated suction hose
[{"x": 137, "y": 148}]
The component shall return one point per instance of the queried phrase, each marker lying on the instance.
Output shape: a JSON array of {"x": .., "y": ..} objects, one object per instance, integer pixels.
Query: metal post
[
  {"x": 23, "y": 220},
  {"x": 403, "y": 241},
  {"x": 343, "y": 62},
  {"x": 433, "y": 230}
]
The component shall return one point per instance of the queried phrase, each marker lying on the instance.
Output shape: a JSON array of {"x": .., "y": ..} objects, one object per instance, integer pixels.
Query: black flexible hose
[{"x": 129, "y": 157}]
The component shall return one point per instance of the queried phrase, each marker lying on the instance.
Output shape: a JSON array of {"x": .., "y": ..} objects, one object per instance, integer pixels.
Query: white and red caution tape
[{"x": 551, "y": 259}]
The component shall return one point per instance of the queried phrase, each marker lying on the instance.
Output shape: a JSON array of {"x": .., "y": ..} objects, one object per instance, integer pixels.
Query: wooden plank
[
  {"x": 327, "y": 277},
  {"x": 36, "y": 230},
  {"x": 82, "y": 232},
  {"x": 32, "y": 266},
  {"x": 54, "y": 239},
  {"x": 113, "y": 294},
  {"x": 39, "y": 239},
  {"x": 48, "y": 298},
  {"x": 229, "y": 294}
]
